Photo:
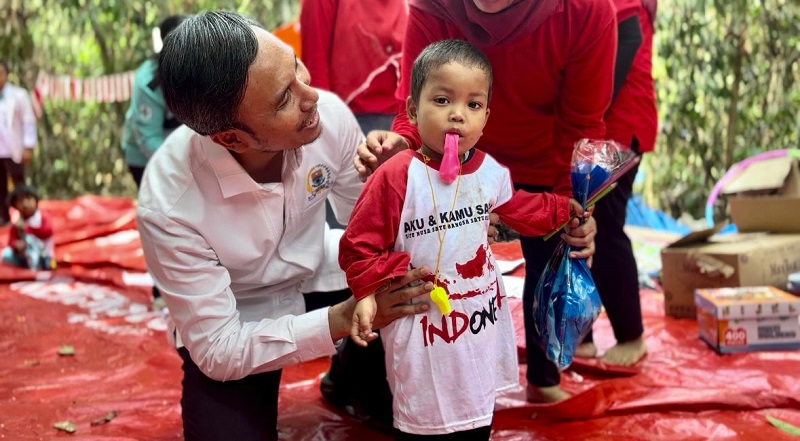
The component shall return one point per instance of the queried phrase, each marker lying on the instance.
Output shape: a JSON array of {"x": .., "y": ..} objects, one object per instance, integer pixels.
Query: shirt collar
[{"x": 232, "y": 177}]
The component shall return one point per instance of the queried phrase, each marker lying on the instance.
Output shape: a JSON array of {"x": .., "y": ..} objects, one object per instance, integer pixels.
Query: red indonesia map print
[{"x": 474, "y": 267}]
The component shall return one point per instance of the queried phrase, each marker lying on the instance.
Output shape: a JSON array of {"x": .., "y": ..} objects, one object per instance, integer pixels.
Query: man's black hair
[{"x": 203, "y": 69}]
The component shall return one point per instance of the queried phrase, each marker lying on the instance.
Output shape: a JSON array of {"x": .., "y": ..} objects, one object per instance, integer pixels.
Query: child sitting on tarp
[{"x": 30, "y": 240}]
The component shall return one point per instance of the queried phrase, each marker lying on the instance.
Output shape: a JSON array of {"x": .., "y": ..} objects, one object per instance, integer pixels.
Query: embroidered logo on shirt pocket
[{"x": 318, "y": 180}]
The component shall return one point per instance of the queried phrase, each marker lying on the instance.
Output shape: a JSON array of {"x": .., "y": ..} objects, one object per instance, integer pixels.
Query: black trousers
[
  {"x": 613, "y": 269},
  {"x": 357, "y": 376},
  {"x": 136, "y": 174},
  {"x": 614, "y": 265},
  {"x": 241, "y": 410},
  {"x": 541, "y": 371},
  {"x": 8, "y": 168}
]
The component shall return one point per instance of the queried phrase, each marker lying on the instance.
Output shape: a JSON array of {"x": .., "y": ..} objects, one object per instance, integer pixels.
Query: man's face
[
  {"x": 3, "y": 75},
  {"x": 279, "y": 107}
]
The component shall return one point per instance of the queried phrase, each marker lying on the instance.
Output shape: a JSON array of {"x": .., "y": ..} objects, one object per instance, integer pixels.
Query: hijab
[{"x": 484, "y": 29}]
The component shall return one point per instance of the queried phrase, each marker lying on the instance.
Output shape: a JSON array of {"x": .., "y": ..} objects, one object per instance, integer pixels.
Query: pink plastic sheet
[{"x": 123, "y": 363}]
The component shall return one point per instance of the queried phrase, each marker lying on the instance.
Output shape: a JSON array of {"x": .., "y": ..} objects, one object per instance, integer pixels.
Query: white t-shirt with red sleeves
[{"x": 444, "y": 371}]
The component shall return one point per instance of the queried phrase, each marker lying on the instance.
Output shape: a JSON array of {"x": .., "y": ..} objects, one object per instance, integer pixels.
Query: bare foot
[
  {"x": 550, "y": 394},
  {"x": 626, "y": 354},
  {"x": 586, "y": 350}
]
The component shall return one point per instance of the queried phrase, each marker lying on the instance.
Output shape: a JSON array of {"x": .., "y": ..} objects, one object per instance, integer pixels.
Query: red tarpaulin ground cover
[{"x": 123, "y": 363}]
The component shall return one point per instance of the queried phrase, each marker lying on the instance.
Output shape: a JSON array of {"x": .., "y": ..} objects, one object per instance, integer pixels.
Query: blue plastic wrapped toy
[{"x": 566, "y": 302}]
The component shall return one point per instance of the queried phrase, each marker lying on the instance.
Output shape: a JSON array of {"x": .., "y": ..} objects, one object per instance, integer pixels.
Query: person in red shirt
[
  {"x": 352, "y": 48},
  {"x": 553, "y": 63},
  {"x": 30, "y": 239},
  {"x": 632, "y": 120}
]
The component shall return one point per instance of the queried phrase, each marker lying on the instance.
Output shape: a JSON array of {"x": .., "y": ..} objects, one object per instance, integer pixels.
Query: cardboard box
[
  {"x": 748, "y": 319},
  {"x": 702, "y": 260},
  {"x": 766, "y": 196}
]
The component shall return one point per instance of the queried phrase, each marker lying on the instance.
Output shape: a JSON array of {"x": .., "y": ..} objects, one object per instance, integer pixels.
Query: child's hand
[
  {"x": 20, "y": 246},
  {"x": 361, "y": 331}
]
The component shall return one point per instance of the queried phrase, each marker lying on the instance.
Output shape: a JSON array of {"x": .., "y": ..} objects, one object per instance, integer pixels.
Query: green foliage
[
  {"x": 78, "y": 148},
  {"x": 728, "y": 85}
]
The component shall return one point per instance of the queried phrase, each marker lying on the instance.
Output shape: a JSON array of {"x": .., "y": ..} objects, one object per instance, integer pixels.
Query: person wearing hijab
[
  {"x": 335, "y": 30},
  {"x": 632, "y": 120},
  {"x": 553, "y": 62}
]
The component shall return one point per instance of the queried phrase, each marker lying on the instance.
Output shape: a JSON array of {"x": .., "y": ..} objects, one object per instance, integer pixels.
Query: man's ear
[
  {"x": 232, "y": 139},
  {"x": 411, "y": 110}
]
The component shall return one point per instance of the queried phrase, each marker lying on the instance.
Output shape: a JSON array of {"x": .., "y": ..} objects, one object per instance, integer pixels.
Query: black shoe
[
  {"x": 354, "y": 408},
  {"x": 370, "y": 402}
]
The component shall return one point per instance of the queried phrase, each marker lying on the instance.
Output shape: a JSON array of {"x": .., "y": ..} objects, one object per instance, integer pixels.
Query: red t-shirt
[
  {"x": 633, "y": 112},
  {"x": 352, "y": 48},
  {"x": 551, "y": 88},
  {"x": 43, "y": 232}
]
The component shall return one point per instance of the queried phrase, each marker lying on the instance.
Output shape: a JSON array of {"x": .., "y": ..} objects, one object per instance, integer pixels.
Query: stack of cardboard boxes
[{"x": 764, "y": 202}]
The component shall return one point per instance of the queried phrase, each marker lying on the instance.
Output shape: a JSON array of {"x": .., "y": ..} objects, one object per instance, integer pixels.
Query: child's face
[
  {"x": 26, "y": 206},
  {"x": 454, "y": 99}
]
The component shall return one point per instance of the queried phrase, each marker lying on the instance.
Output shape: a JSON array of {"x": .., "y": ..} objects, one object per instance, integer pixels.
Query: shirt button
[{"x": 389, "y": 48}]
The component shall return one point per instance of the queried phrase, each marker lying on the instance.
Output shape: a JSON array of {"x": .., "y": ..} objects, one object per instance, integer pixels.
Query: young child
[
  {"x": 30, "y": 240},
  {"x": 444, "y": 366}
]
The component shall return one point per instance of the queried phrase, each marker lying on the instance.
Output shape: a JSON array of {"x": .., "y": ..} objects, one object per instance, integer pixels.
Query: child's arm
[
  {"x": 14, "y": 240},
  {"x": 366, "y": 251},
  {"x": 364, "y": 314},
  {"x": 536, "y": 214},
  {"x": 45, "y": 230}
]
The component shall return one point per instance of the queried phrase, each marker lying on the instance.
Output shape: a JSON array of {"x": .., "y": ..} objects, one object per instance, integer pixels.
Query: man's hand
[
  {"x": 379, "y": 146},
  {"x": 581, "y": 236},
  {"x": 493, "y": 232},
  {"x": 392, "y": 304}
]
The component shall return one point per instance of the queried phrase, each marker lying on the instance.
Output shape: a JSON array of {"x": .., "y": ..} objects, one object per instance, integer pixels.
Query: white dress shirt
[
  {"x": 17, "y": 122},
  {"x": 232, "y": 257}
]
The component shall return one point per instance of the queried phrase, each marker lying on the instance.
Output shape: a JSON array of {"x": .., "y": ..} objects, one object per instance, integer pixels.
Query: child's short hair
[
  {"x": 442, "y": 52},
  {"x": 22, "y": 191}
]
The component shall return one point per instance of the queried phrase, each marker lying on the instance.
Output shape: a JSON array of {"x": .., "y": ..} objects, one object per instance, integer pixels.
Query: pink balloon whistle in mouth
[{"x": 448, "y": 170}]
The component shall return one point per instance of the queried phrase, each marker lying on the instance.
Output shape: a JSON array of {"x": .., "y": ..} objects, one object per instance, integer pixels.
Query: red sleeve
[
  {"x": 45, "y": 230},
  {"x": 421, "y": 31},
  {"x": 588, "y": 82},
  {"x": 534, "y": 214},
  {"x": 316, "y": 36},
  {"x": 627, "y": 8},
  {"x": 366, "y": 251}
]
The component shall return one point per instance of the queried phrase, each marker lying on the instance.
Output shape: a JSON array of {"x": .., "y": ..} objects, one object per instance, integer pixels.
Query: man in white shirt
[
  {"x": 17, "y": 137},
  {"x": 232, "y": 221}
]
